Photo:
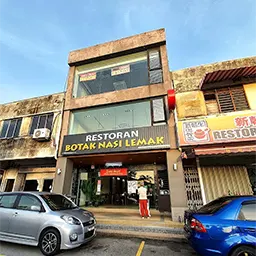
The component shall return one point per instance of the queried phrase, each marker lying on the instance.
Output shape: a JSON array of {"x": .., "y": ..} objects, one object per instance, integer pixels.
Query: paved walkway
[{"x": 128, "y": 223}]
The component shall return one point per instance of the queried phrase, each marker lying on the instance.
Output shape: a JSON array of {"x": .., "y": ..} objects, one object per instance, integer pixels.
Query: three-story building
[{"x": 118, "y": 128}]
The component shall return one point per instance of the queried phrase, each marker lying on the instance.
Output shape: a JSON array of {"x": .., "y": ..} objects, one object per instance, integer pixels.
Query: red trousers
[{"x": 144, "y": 208}]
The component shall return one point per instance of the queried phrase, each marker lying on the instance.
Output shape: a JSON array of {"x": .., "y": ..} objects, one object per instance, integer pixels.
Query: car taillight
[{"x": 198, "y": 226}]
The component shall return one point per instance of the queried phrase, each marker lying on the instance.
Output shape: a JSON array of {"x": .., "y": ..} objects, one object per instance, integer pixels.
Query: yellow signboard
[{"x": 218, "y": 129}]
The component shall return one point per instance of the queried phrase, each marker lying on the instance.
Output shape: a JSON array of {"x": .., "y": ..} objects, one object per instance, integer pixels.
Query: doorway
[
  {"x": 47, "y": 185},
  {"x": 9, "y": 185},
  {"x": 31, "y": 185},
  {"x": 252, "y": 177}
]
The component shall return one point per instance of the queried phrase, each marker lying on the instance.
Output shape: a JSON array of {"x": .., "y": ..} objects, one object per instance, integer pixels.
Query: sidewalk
[{"x": 128, "y": 223}]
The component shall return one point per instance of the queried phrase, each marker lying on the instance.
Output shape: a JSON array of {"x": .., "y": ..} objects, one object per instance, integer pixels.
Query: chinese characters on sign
[{"x": 196, "y": 131}]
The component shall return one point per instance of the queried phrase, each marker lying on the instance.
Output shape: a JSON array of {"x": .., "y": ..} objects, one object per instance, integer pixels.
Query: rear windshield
[
  {"x": 214, "y": 206},
  {"x": 58, "y": 202}
]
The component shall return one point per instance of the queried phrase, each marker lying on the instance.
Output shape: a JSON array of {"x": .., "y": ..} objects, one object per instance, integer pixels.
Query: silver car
[{"x": 50, "y": 221}]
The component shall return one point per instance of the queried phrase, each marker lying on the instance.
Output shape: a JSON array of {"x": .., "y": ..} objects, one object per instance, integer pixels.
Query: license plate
[{"x": 91, "y": 228}]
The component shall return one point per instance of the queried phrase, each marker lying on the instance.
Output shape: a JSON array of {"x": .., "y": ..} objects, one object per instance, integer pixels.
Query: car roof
[{"x": 28, "y": 192}]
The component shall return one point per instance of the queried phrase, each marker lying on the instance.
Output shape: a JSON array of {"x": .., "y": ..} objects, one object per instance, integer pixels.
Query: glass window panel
[
  {"x": 7, "y": 201},
  {"x": 4, "y": 129},
  {"x": 111, "y": 75},
  {"x": 248, "y": 212},
  {"x": 155, "y": 76},
  {"x": 49, "y": 121},
  {"x": 154, "y": 59},
  {"x": 27, "y": 201},
  {"x": 11, "y": 129},
  {"x": 42, "y": 120},
  {"x": 34, "y": 124},
  {"x": 111, "y": 118},
  {"x": 17, "y": 128},
  {"x": 158, "y": 110}
]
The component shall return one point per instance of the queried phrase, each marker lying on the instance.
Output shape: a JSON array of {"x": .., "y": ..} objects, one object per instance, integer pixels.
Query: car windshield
[
  {"x": 214, "y": 206},
  {"x": 58, "y": 202}
]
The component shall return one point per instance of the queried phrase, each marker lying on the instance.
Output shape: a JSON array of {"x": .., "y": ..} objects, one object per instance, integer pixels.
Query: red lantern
[{"x": 171, "y": 99}]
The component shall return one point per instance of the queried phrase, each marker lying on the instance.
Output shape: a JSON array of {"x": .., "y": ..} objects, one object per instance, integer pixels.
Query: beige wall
[
  {"x": 250, "y": 91},
  {"x": 178, "y": 195},
  {"x": 24, "y": 147},
  {"x": 190, "y": 104}
]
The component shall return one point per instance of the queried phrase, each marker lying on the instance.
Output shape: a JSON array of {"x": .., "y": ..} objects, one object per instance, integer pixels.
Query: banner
[
  {"x": 113, "y": 172},
  {"x": 145, "y": 138},
  {"x": 87, "y": 76},
  {"x": 120, "y": 70},
  {"x": 226, "y": 128},
  {"x": 132, "y": 186}
]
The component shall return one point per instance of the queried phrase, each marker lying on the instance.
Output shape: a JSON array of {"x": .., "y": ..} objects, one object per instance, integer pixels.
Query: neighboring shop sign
[
  {"x": 120, "y": 70},
  {"x": 132, "y": 186},
  {"x": 145, "y": 138},
  {"x": 228, "y": 128},
  {"x": 171, "y": 99},
  {"x": 98, "y": 187},
  {"x": 87, "y": 76},
  {"x": 113, "y": 172}
]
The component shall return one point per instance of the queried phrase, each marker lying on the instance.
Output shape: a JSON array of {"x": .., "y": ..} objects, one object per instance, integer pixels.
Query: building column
[
  {"x": 201, "y": 180},
  {"x": 63, "y": 176},
  {"x": 178, "y": 195}
]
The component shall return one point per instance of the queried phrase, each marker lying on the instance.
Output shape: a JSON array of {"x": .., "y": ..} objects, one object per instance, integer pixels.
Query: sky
[{"x": 36, "y": 36}]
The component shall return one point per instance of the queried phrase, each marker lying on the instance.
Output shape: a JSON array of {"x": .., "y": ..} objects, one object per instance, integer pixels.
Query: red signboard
[{"x": 113, "y": 172}]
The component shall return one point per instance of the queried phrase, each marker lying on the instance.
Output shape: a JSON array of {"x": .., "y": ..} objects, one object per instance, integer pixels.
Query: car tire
[
  {"x": 241, "y": 250},
  {"x": 49, "y": 242}
]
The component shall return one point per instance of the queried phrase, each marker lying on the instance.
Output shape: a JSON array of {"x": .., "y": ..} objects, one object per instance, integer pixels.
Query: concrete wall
[
  {"x": 190, "y": 100},
  {"x": 24, "y": 147}
]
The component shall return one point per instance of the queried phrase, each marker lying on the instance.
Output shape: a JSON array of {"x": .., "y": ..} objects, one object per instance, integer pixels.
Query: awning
[
  {"x": 224, "y": 150},
  {"x": 213, "y": 78}
]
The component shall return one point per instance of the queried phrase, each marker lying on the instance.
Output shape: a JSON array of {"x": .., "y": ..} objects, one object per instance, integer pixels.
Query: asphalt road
[{"x": 104, "y": 246}]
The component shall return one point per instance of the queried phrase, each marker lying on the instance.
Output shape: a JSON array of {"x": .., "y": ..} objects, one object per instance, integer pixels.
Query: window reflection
[{"x": 111, "y": 118}]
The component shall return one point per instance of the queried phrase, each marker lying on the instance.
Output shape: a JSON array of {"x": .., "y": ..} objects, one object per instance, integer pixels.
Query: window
[
  {"x": 58, "y": 202},
  {"x": 7, "y": 201},
  {"x": 11, "y": 128},
  {"x": 226, "y": 100},
  {"x": 115, "y": 117},
  {"x": 248, "y": 211},
  {"x": 26, "y": 201},
  {"x": 9, "y": 185},
  {"x": 120, "y": 73},
  {"x": 215, "y": 205},
  {"x": 42, "y": 121}
]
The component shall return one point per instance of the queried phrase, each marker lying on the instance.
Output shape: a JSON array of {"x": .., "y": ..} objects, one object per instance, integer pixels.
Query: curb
[
  {"x": 142, "y": 235},
  {"x": 157, "y": 230}
]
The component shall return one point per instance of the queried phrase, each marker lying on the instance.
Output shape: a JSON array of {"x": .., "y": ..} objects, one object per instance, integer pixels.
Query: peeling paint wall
[
  {"x": 189, "y": 99},
  {"x": 24, "y": 147},
  {"x": 189, "y": 79}
]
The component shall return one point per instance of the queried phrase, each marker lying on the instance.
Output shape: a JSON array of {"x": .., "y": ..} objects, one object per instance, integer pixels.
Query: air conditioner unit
[{"x": 41, "y": 134}]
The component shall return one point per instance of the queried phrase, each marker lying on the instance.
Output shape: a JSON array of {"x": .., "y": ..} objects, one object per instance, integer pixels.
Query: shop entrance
[
  {"x": 31, "y": 185},
  {"x": 252, "y": 177}
]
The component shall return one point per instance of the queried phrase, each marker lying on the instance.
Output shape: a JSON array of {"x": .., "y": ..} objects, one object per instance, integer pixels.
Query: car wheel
[
  {"x": 244, "y": 251},
  {"x": 49, "y": 242}
]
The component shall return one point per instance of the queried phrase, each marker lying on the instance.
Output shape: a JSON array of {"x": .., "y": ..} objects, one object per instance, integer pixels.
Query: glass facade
[
  {"x": 120, "y": 73},
  {"x": 115, "y": 117}
]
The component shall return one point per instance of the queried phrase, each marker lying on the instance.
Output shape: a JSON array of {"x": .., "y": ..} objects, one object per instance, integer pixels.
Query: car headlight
[{"x": 71, "y": 220}]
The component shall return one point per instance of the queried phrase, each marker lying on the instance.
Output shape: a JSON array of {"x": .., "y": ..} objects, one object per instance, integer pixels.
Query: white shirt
[{"x": 142, "y": 193}]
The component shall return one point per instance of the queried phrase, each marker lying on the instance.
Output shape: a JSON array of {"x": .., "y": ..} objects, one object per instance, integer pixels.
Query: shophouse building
[
  {"x": 216, "y": 108},
  {"x": 118, "y": 128},
  {"x": 28, "y": 141}
]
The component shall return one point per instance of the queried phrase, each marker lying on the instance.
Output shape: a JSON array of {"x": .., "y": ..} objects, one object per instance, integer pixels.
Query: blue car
[{"x": 225, "y": 226}]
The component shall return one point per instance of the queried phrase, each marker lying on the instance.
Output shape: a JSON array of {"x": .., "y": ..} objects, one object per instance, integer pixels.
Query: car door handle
[{"x": 15, "y": 214}]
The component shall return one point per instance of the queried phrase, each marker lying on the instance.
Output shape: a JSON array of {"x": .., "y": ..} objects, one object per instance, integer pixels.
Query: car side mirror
[{"x": 35, "y": 208}]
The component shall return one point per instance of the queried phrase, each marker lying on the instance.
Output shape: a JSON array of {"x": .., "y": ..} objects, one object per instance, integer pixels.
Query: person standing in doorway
[{"x": 143, "y": 201}]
